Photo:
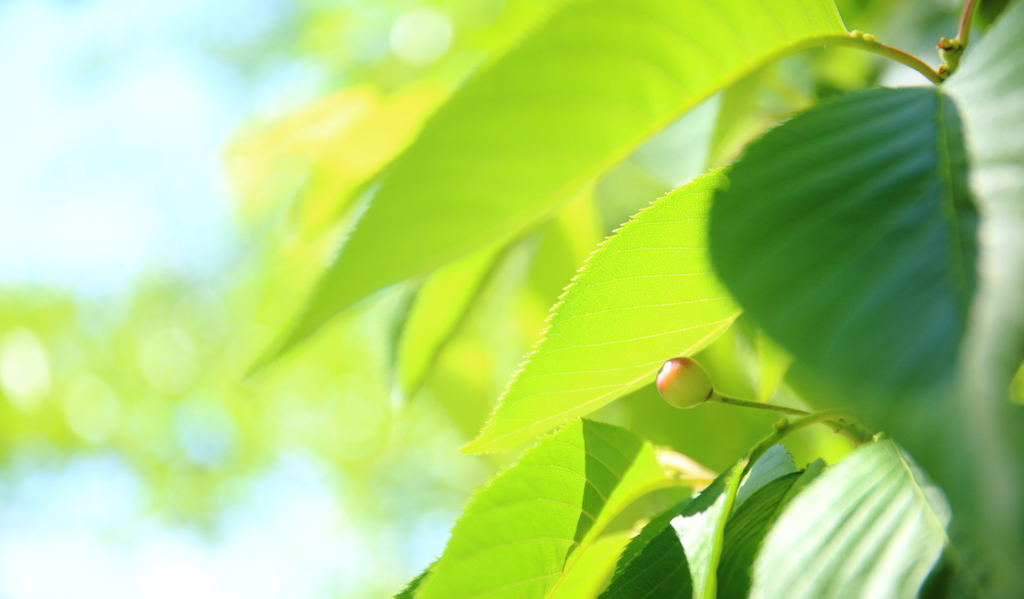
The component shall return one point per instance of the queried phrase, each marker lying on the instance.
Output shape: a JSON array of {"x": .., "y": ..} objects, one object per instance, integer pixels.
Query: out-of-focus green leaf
[
  {"x": 532, "y": 524},
  {"x": 677, "y": 554},
  {"x": 870, "y": 526},
  {"x": 740, "y": 118},
  {"x": 586, "y": 579},
  {"x": 439, "y": 306},
  {"x": 531, "y": 128},
  {"x": 340, "y": 142},
  {"x": 647, "y": 295},
  {"x": 983, "y": 477},
  {"x": 671, "y": 158},
  {"x": 744, "y": 532},
  {"x": 773, "y": 362},
  {"x": 849, "y": 235}
]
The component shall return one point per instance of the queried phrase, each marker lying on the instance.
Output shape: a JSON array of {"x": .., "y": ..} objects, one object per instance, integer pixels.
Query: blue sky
[{"x": 113, "y": 118}]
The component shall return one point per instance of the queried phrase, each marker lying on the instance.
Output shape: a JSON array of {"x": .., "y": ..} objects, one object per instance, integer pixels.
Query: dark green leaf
[
  {"x": 849, "y": 235},
  {"x": 744, "y": 532}
]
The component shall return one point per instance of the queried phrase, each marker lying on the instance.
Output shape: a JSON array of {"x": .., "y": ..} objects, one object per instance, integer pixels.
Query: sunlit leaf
[
  {"x": 339, "y": 143},
  {"x": 647, "y": 295},
  {"x": 533, "y": 523},
  {"x": 590, "y": 573},
  {"x": 531, "y": 128},
  {"x": 870, "y": 526}
]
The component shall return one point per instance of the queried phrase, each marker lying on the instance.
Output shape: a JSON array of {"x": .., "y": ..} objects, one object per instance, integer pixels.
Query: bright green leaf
[
  {"x": 848, "y": 234},
  {"x": 870, "y": 526},
  {"x": 647, "y": 295},
  {"x": 533, "y": 523},
  {"x": 534, "y": 126},
  {"x": 595, "y": 565}
]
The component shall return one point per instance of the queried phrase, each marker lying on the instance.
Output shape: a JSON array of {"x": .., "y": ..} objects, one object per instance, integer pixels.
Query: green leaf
[
  {"x": 703, "y": 535},
  {"x": 744, "y": 532},
  {"x": 984, "y": 476},
  {"x": 870, "y": 526},
  {"x": 773, "y": 362},
  {"x": 528, "y": 131},
  {"x": 439, "y": 307},
  {"x": 811, "y": 472},
  {"x": 530, "y": 526},
  {"x": 409, "y": 592},
  {"x": 848, "y": 234},
  {"x": 677, "y": 554},
  {"x": 671, "y": 158},
  {"x": 590, "y": 573},
  {"x": 775, "y": 463},
  {"x": 654, "y": 563},
  {"x": 645, "y": 296}
]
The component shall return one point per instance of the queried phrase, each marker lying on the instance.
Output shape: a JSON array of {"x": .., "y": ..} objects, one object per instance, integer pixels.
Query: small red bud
[{"x": 684, "y": 383}]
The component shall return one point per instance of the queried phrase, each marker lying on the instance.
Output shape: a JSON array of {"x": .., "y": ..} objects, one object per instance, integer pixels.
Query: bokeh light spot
[
  {"x": 91, "y": 408},
  {"x": 420, "y": 37},
  {"x": 24, "y": 369}
]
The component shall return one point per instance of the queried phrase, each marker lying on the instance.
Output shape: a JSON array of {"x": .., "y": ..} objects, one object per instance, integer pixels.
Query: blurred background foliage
[{"x": 130, "y": 438}]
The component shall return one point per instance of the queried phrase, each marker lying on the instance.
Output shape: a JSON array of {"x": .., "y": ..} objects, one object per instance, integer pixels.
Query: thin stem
[
  {"x": 745, "y": 403},
  {"x": 784, "y": 429},
  {"x": 851, "y": 431},
  {"x": 964, "y": 32},
  {"x": 869, "y": 43}
]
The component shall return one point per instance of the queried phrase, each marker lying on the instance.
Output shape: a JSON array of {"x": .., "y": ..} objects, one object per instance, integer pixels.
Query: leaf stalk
[
  {"x": 851, "y": 431},
  {"x": 784, "y": 428},
  {"x": 866, "y": 41}
]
